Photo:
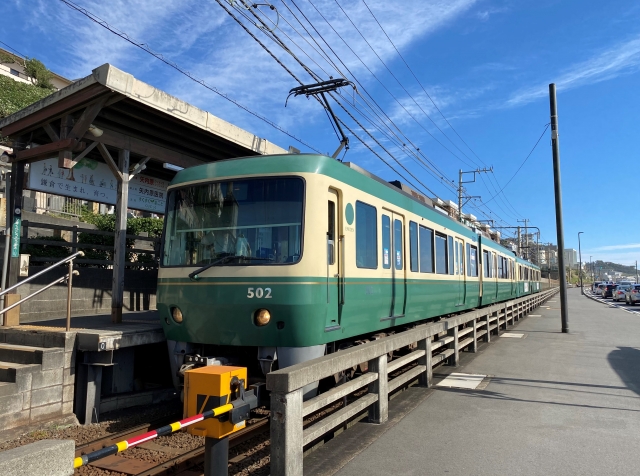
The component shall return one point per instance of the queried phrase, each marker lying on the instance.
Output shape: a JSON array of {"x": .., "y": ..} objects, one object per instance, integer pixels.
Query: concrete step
[
  {"x": 8, "y": 388},
  {"x": 11, "y": 371},
  {"x": 49, "y": 358}
]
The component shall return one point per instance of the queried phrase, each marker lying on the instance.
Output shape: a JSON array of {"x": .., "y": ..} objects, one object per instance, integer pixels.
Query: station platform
[
  {"x": 550, "y": 403},
  {"x": 96, "y": 332},
  {"x": 47, "y": 372}
]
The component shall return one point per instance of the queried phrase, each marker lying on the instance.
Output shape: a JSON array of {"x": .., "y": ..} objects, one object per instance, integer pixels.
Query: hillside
[{"x": 607, "y": 266}]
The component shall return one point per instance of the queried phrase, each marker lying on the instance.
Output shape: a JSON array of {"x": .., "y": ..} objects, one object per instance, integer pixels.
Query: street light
[
  {"x": 593, "y": 276},
  {"x": 580, "y": 270}
]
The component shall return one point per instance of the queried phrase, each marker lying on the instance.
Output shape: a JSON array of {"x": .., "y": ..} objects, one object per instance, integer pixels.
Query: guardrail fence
[
  {"x": 433, "y": 343},
  {"x": 148, "y": 248}
]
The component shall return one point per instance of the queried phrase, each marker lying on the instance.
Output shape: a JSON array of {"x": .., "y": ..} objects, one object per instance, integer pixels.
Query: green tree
[{"x": 38, "y": 72}]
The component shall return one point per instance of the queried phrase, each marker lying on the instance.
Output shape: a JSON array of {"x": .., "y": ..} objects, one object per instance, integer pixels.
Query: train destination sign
[{"x": 94, "y": 181}]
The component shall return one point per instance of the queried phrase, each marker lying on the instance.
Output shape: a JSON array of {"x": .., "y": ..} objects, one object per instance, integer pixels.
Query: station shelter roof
[{"x": 113, "y": 108}]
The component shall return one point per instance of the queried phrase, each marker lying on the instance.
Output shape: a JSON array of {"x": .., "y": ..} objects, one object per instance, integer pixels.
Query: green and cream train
[{"x": 279, "y": 259}]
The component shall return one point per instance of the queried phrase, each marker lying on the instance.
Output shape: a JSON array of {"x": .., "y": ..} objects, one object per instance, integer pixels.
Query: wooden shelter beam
[
  {"x": 46, "y": 150},
  {"x": 53, "y": 135},
  {"x": 86, "y": 118},
  {"x": 139, "y": 167},
  {"x": 54, "y": 111},
  {"x": 144, "y": 148},
  {"x": 120, "y": 241},
  {"x": 110, "y": 162}
]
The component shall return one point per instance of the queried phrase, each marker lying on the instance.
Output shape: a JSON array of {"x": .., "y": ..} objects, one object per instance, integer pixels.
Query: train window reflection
[
  {"x": 366, "y": 236},
  {"x": 441, "y": 254},
  {"x": 253, "y": 221}
]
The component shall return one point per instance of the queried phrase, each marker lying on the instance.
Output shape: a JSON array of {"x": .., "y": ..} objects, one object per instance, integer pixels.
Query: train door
[
  {"x": 393, "y": 261},
  {"x": 460, "y": 271},
  {"x": 496, "y": 274},
  {"x": 334, "y": 260},
  {"x": 480, "y": 270},
  {"x": 512, "y": 277}
]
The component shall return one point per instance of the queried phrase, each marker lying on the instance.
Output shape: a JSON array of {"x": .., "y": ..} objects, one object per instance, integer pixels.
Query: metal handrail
[
  {"x": 40, "y": 273},
  {"x": 68, "y": 277}
]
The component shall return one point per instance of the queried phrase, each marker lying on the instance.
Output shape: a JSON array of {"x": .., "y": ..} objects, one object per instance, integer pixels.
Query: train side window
[
  {"x": 413, "y": 245},
  {"x": 397, "y": 243},
  {"x": 500, "y": 267},
  {"x": 441, "y": 254},
  {"x": 451, "y": 254},
  {"x": 331, "y": 232},
  {"x": 472, "y": 260},
  {"x": 486, "y": 264},
  {"x": 425, "y": 236},
  {"x": 366, "y": 236},
  {"x": 386, "y": 242}
]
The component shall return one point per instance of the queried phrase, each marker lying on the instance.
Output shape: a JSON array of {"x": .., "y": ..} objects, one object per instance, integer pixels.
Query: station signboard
[{"x": 93, "y": 181}]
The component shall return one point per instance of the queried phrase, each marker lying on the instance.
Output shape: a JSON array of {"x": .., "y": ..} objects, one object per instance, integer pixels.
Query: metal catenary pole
[
  {"x": 580, "y": 269},
  {"x": 555, "y": 145},
  {"x": 7, "y": 240}
]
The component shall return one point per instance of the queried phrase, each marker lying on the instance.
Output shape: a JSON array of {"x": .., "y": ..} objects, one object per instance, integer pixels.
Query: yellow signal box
[{"x": 211, "y": 387}]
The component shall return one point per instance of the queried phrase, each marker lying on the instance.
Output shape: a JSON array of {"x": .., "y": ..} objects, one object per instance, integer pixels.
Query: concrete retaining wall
[
  {"x": 50, "y": 457},
  {"x": 91, "y": 293}
]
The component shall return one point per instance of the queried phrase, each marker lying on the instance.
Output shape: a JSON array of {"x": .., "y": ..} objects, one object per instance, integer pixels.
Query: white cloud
[
  {"x": 628, "y": 246},
  {"x": 608, "y": 64}
]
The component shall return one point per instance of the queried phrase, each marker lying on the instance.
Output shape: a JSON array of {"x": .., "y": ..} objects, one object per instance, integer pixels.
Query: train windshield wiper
[
  {"x": 224, "y": 259},
  {"x": 194, "y": 275}
]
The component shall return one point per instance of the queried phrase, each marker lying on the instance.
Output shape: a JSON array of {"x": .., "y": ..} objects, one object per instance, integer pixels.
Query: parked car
[
  {"x": 607, "y": 290},
  {"x": 632, "y": 295},
  {"x": 619, "y": 292}
]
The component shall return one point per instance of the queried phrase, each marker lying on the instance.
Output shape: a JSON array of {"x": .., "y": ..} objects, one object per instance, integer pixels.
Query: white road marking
[
  {"x": 534, "y": 315},
  {"x": 455, "y": 380},
  {"x": 515, "y": 335}
]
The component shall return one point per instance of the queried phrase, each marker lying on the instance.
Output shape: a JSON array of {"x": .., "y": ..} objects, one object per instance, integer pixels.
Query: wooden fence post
[
  {"x": 379, "y": 411},
  {"x": 286, "y": 433}
]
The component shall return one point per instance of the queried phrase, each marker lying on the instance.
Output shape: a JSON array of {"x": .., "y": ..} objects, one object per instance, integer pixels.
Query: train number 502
[{"x": 259, "y": 293}]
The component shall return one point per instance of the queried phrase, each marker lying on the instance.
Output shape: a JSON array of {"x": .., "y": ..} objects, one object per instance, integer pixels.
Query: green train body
[{"x": 333, "y": 254}]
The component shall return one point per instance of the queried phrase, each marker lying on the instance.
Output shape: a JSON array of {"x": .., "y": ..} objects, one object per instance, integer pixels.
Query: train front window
[{"x": 251, "y": 221}]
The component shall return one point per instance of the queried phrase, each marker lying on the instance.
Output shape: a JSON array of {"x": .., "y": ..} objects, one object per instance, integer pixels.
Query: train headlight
[
  {"x": 176, "y": 314},
  {"x": 261, "y": 317}
]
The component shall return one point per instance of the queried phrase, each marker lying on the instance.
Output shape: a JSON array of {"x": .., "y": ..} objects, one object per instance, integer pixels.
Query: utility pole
[
  {"x": 519, "y": 241},
  {"x": 526, "y": 236},
  {"x": 580, "y": 268},
  {"x": 461, "y": 189},
  {"x": 637, "y": 272},
  {"x": 555, "y": 146}
]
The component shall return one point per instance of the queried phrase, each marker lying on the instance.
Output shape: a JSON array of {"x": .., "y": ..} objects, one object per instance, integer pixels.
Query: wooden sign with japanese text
[{"x": 93, "y": 181}]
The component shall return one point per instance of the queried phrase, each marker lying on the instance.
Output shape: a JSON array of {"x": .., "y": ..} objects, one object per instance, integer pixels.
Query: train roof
[{"x": 346, "y": 172}]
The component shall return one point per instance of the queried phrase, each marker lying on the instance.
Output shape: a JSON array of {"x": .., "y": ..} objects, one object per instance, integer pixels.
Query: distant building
[
  {"x": 571, "y": 258},
  {"x": 15, "y": 71}
]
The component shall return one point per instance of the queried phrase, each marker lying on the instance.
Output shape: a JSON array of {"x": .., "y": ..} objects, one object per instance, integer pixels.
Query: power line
[
  {"x": 175, "y": 66},
  {"x": 436, "y": 106},
  {"x": 272, "y": 35},
  {"x": 278, "y": 41},
  {"x": 13, "y": 49},
  {"x": 522, "y": 164}
]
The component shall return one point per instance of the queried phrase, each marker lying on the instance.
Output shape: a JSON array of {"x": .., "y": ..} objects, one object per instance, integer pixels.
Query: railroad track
[
  {"x": 123, "y": 435},
  {"x": 172, "y": 466},
  {"x": 196, "y": 457}
]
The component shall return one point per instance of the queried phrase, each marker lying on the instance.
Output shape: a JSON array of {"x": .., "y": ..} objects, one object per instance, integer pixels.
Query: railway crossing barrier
[
  {"x": 218, "y": 394},
  {"x": 435, "y": 342}
]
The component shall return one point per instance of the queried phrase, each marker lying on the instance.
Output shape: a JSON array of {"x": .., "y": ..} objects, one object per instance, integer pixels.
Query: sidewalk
[{"x": 554, "y": 404}]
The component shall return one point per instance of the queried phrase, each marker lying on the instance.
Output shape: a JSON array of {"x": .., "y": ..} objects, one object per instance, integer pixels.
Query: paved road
[
  {"x": 556, "y": 404},
  {"x": 610, "y": 302}
]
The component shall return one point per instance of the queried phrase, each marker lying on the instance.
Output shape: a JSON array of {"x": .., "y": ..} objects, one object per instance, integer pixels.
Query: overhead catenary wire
[
  {"x": 275, "y": 38},
  {"x": 384, "y": 86},
  {"x": 437, "y": 108},
  {"x": 522, "y": 164},
  {"x": 175, "y": 66}
]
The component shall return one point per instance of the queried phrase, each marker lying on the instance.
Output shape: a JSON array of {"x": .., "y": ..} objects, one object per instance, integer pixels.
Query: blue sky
[{"x": 486, "y": 64}]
